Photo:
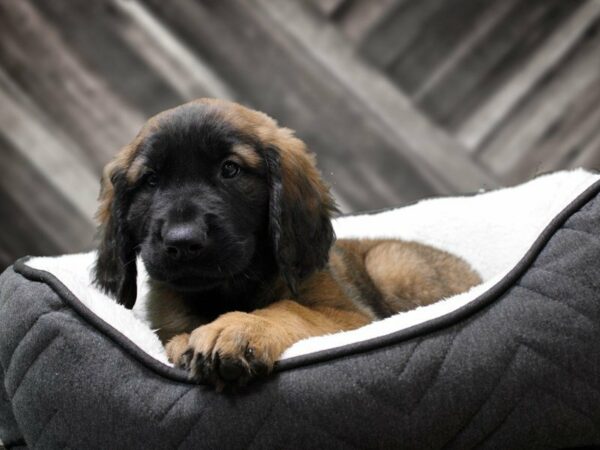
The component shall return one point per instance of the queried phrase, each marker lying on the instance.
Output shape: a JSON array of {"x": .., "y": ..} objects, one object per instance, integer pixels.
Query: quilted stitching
[
  {"x": 175, "y": 403},
  {"x": 388, "y": 403},
  {"x": 8, "y": 307},
  {"x": 571, "y": 279},
  {"x": 409, "y": 359},
  {"x": 193, "y": 427},
  {"x": 484, "y": 403},
  {"x": 525, "y": 366},
  {"x": 320, "y": 426},
  {"x": 573, "y": 376},
  {"x": 524, "y": 351},
  {"x": 44, "y": 428},
  {"x": 560, "y": 304},
  {"x": 519, "y": 403},
  {"x": 433, "y": 382},
  {"x": 261, "y": 426},
  {"x": 495, "y": 429},
  {"x": 34, "y": 359}
]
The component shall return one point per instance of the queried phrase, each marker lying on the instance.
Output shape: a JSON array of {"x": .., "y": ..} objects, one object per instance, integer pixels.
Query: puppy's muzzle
[{"x": 184, "y": 241}]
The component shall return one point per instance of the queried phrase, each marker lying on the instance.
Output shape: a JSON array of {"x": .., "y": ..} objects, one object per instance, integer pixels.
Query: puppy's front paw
[
  {"x": 177, "y": 351},
  {"x": 233, "y": 349}
]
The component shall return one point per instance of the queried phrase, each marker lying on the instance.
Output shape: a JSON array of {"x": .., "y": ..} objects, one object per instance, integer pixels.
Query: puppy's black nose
[{"x": 184, "y": 241}]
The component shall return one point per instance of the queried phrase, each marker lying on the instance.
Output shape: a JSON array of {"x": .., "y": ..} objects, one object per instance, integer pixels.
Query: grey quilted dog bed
[{"x": 513, "y": 363}]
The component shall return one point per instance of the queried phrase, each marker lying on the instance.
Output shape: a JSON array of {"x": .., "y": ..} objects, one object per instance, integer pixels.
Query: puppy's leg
[
  {"x": 239, "y": 346},
  {"x": 409, "y": 274}
]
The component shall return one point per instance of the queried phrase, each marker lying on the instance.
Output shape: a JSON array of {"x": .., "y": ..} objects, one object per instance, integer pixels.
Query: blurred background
[{"x": 400, "y": 99}]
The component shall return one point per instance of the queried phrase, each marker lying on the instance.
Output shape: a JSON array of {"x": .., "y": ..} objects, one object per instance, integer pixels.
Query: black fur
[
  {"x": 301, "y": 236},
  {"x": 115, "y": 269},
  {"x": 254, "y": 236}
]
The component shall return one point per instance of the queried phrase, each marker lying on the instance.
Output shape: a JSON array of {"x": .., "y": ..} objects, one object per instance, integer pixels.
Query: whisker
[
  {"x": 128, "y": 262},
  {"x": 134, "y": 258}
]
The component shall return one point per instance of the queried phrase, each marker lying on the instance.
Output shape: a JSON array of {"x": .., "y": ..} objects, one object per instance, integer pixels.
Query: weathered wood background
[{"x": 400, "y": 99}]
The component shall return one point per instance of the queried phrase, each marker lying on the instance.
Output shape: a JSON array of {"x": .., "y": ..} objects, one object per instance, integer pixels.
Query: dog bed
[{"x": 513, "y": 363}]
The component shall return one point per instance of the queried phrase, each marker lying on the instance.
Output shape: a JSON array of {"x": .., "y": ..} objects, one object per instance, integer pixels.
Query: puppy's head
[{"x": 207, "y": 193}]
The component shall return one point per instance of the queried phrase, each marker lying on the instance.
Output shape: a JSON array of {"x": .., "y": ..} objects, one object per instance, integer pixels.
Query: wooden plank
[
  {"x": 569, "y": 141},
  {"x": 134, "y": 53},
  {"x": 56, "y": 158},
  {"x": 475, "y": 130},
  {"x": 575, "y": 140},
  {"x": 476, "y": 33},
  {"x": 437, "y": 157},
  {"x": 329, "y": 7},
  {"x": 175, "y": 62},
  {"x": 360, "y": 16},
  {"x": 492, "y": 60},
  {"x": 47, "y": 191},
  {"x": 40, "y": 62},
  {"x": 21, "y": 235},
  {"x": 515, "y": 149},
  {"x": 91, "y": 31},
  {"x": 36, "y": 217},
  {"x": 438, "y": 37},
  {"x": 274, "y": 72},
  {"x": 589, "y": 155},
  {"x": 6, "y": 259},
  {"x": 397, "y": 30}
]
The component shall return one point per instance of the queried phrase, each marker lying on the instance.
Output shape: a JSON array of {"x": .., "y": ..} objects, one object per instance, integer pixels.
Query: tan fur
[
  {"x": 123, "y": 161},
  {"x": 409, "y": 274},
  {"x": 295, "y": 158},
  {"x": 397, "y": 275},
  {"x": 168, "y": 314},
  {"x": 406, "y": 274},
  {"x": 266, "y": 333},
  {"x": 247, "y": 155},
  {"x": 177, "y": 346}
]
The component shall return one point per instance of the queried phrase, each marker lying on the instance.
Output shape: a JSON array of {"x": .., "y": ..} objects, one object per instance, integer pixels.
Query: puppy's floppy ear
[
  {"x": 115, "y": 270},
  {"x": 300, "y": 208}
]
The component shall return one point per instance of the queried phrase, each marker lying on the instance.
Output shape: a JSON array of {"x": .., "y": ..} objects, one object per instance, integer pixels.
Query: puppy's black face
[
  {"x": 213, "y": 196},
  {"x": 198, "y": 209}
]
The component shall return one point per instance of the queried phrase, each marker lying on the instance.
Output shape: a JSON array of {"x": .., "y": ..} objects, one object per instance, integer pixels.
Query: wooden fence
[{"x": 400, "y": 99}]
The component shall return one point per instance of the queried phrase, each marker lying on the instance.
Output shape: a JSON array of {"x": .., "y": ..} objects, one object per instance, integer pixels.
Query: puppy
[{"x": 232, "y": 222}]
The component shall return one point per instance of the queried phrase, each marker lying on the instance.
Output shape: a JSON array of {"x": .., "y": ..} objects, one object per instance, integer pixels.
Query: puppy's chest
[
  {"x": 212, "y": 306},
  {"x": 172, "y": 313}
]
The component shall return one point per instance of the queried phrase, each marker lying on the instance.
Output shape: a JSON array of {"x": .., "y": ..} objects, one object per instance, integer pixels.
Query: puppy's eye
[
  {"x": 229, "y": 169},
  {"x": 152, "y": 179}
]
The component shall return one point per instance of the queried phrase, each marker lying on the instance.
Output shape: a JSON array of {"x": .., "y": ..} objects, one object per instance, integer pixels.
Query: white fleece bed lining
[{"x": 492, "y": 231}]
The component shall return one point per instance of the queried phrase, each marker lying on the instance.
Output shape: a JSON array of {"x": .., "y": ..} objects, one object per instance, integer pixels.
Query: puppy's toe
[
  {"x": 231, "y": 369},
  {"x": 176, "y": 348},
  {"x": 220, "y": 372},
  {"x": 198, "y": 367},
  {"x": 232, "y": 350},
  {"x": 258, "y": 367},
  {"x": 185, "y": 360}
]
